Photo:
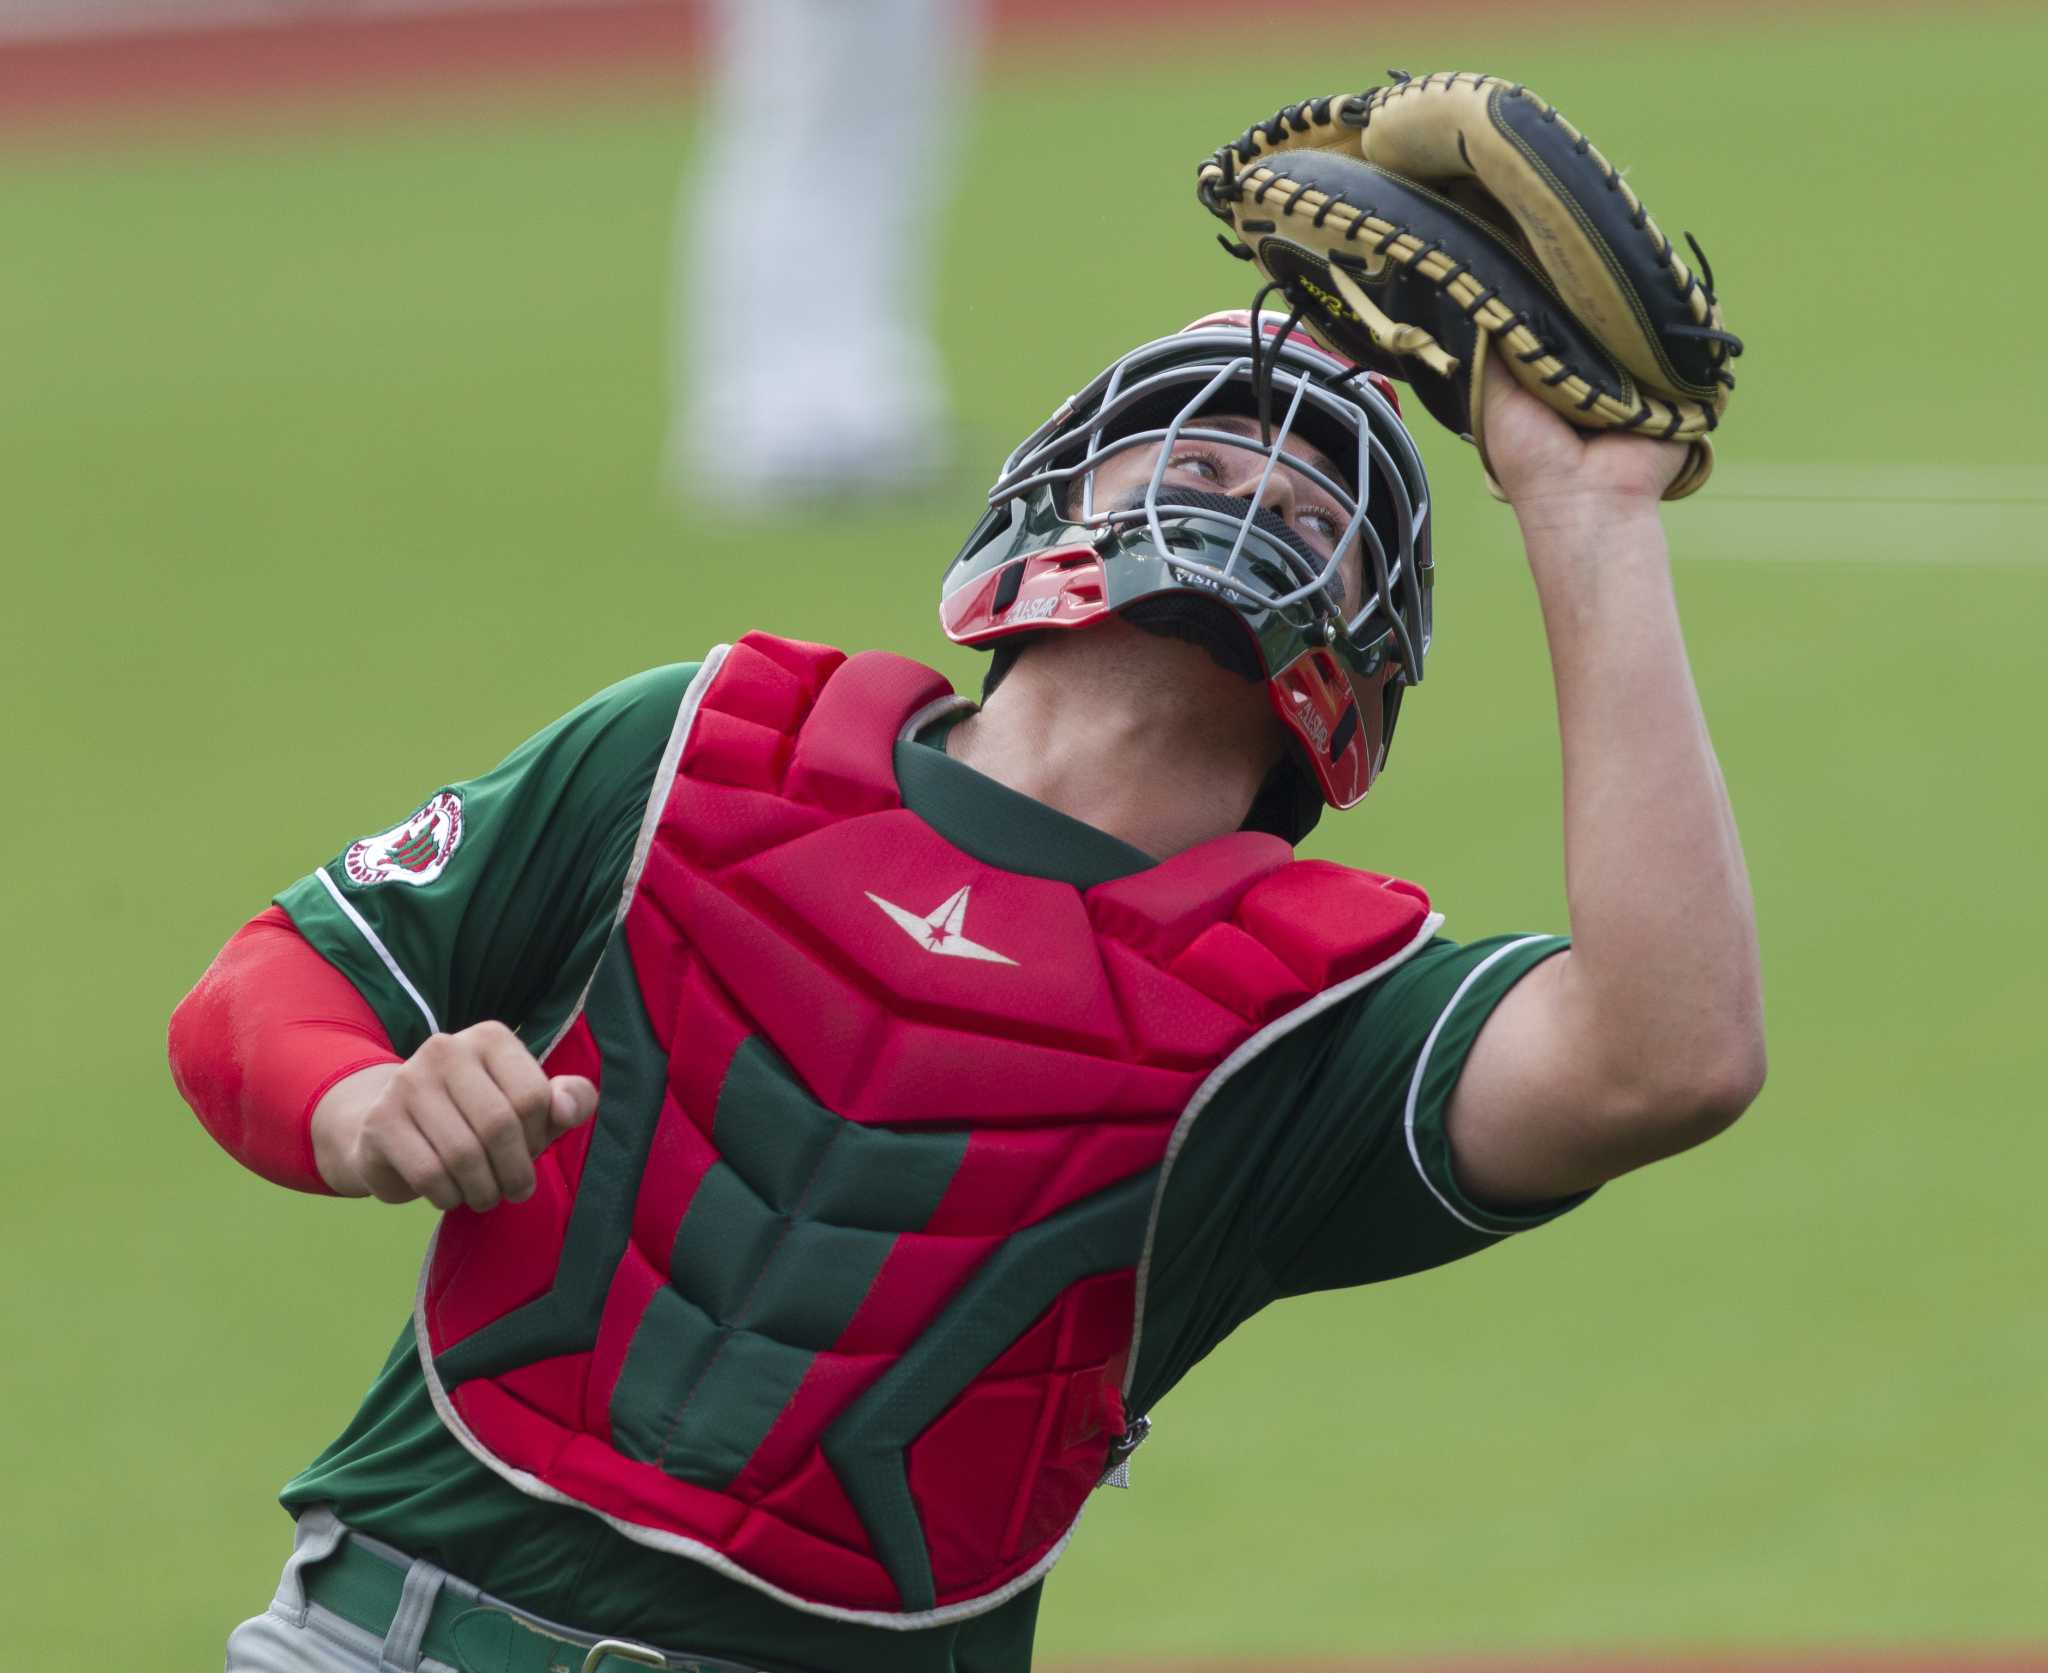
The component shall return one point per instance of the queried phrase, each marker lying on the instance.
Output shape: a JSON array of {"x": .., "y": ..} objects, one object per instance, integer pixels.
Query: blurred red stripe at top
[{"x": 247, "y": 56}]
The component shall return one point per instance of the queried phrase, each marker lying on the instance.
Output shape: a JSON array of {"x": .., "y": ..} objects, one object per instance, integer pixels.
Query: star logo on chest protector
[{"x": 941, "y": 930}]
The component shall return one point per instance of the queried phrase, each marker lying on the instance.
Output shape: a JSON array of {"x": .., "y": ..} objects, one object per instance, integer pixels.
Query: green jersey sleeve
[
  {"x": 1323, "y": 1163},
  {"x": 494, "y": 898}
]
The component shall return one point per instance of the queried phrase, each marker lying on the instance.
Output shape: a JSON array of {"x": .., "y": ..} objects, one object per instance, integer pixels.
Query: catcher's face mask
[{"x": 1215, "y": 569}]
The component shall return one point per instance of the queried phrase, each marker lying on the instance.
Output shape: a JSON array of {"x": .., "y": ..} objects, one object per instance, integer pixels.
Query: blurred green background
[{"x": 328, "y": 470}]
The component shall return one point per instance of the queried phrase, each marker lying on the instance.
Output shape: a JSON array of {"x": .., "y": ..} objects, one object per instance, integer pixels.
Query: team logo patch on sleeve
[{"x": 415, "y": 851}]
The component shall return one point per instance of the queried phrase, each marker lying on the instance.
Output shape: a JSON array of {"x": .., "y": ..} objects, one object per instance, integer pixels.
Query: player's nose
[{"x": 1279, "y": 494}]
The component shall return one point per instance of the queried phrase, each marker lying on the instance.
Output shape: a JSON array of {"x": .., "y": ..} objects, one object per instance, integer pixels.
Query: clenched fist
[{"x": 460, "y": 1121}]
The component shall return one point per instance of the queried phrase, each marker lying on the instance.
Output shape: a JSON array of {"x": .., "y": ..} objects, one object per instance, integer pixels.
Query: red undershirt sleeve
[{"x": 257, "y": 1043}]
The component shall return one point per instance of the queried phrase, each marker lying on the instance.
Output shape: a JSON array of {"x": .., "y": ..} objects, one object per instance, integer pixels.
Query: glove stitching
[
  {"x": 1639, "y": 218},
  {"x": 1650, "y": 333}
]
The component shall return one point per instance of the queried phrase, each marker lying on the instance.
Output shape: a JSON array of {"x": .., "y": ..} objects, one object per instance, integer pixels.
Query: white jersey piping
[
  {"x": 937, "y": 709},
  {"x": 1422, "y": 1068},
  {"x": 650, "y": 822},
  {"x": 383, "y": 952},
  {"x": 1303, "y": 1013}
]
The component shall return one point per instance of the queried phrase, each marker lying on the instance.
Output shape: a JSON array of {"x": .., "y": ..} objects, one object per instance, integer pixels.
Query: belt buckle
[{"x": 626, "y": 1650}]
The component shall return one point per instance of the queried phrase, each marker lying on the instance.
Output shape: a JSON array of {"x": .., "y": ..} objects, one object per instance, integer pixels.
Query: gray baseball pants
[
  {"x": 295, "y": 1635},
  {"x": 298, "y": 1634}
]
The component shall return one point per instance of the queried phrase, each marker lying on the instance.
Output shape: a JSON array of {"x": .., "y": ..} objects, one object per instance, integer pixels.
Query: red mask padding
[{"x": 257, "y": 1043}]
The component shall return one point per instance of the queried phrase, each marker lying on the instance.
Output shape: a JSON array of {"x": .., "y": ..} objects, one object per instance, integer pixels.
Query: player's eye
[
  {"x": 1198, "y": 464},
  {"x": 1322, "y": 522}
]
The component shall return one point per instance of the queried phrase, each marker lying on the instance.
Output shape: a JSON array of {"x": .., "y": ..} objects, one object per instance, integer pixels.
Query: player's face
[
  {"x": 1212, "y": 467},
  {"x": 1215, "y": 467}
]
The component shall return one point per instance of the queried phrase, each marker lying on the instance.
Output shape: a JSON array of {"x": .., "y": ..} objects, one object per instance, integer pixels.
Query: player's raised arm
[
  {"x": 1455, "y": 229},
  {"x": 1648, "y": 1036}
]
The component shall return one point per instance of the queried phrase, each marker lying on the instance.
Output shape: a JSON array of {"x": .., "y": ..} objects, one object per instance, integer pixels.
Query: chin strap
[{"x": 1288, "y": 804}]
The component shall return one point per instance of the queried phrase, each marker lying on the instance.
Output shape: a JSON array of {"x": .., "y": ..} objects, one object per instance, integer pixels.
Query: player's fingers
[
  {"x": 441, "y": 1124},
  {"x": 398, "y": 1165},
  {"x": 491, "y": 1117},
  {"x": 383, "y": 1180},
  {"x": 574, "y": 1101},
  {"x": 523, "y": 1082}
]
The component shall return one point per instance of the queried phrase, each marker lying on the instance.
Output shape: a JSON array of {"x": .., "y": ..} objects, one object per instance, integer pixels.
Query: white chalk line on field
[{"x": 1994, "y": 515}]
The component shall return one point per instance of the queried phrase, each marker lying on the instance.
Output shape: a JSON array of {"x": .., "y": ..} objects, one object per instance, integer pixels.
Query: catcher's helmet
[{"x": 1216, "y": 569}]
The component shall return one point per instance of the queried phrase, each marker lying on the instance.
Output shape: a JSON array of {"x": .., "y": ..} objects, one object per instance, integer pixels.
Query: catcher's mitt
[{"x": 1413, "y": 226}]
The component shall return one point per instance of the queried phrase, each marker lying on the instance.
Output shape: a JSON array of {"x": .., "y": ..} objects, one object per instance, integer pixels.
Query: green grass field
[{"x": 329, "y": 473}]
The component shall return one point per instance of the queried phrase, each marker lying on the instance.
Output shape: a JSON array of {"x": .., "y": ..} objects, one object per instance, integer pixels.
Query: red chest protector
[{"x": 838, "y": 1292}]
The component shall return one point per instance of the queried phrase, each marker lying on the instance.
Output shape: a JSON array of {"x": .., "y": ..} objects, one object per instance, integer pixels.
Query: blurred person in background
[
  {"x": 852, "y": 1108},
  {"x": 817, "y": 379}
]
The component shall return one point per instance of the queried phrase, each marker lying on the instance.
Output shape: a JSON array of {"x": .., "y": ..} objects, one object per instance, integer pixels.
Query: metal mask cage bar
[{"x": 1364, "y": 413}]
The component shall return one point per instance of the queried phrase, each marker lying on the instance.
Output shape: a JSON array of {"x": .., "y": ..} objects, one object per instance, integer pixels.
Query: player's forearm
[
  {"x": 336, "y": 1121},
  {"x": 257, "y": 1043},
  {"x": 1664, "y": 965}
]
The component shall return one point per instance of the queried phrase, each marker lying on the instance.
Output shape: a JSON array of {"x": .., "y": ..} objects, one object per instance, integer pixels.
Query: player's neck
[{"x": 1143, "y": 737}]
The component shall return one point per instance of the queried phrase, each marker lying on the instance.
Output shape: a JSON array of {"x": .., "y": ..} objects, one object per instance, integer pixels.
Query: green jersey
[{"x": 1322, "y": 1163}]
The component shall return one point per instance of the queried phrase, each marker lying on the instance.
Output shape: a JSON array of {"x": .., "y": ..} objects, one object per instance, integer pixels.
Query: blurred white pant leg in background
[{"x": 810, "y": 223}]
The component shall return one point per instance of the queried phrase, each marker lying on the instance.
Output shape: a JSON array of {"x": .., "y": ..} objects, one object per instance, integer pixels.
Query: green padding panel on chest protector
[
  {"x": 654, "y": 1387},
  {"x": 1004, "y": 1298},
  {"x": 635, "y": 1080},
  {"x": 764, "y": 1274},
  {"x": 797, "y": 1155},
  {"x": 696, "y": 1397},
  {"x": 724, "y": 1245}
]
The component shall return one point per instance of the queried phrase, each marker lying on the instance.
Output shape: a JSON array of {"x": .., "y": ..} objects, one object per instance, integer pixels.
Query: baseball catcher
[{"x": 851, "y": 1108}]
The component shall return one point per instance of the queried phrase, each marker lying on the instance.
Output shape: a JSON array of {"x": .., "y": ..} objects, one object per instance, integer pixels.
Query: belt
[{"x": 363, "y": 1583}]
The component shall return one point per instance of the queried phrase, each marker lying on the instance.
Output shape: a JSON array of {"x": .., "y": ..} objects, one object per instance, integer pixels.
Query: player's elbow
[
  {"x": 1672, "y": 1096},
  {"x": 1731, "y": 1077},
  {"x": 191, "y": 1021},
  {"x": 1704, "y": 1093},
  {"x": 1743, "y": 1075},
  {"x": 1722, "y": 1094},
  {"x": 205, "y": 1071}
]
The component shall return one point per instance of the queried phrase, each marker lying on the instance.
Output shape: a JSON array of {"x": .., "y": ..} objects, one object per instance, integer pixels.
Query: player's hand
[
  {"x": 460, "y": 1121},
  {"x": 1550, "y": 471}
]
